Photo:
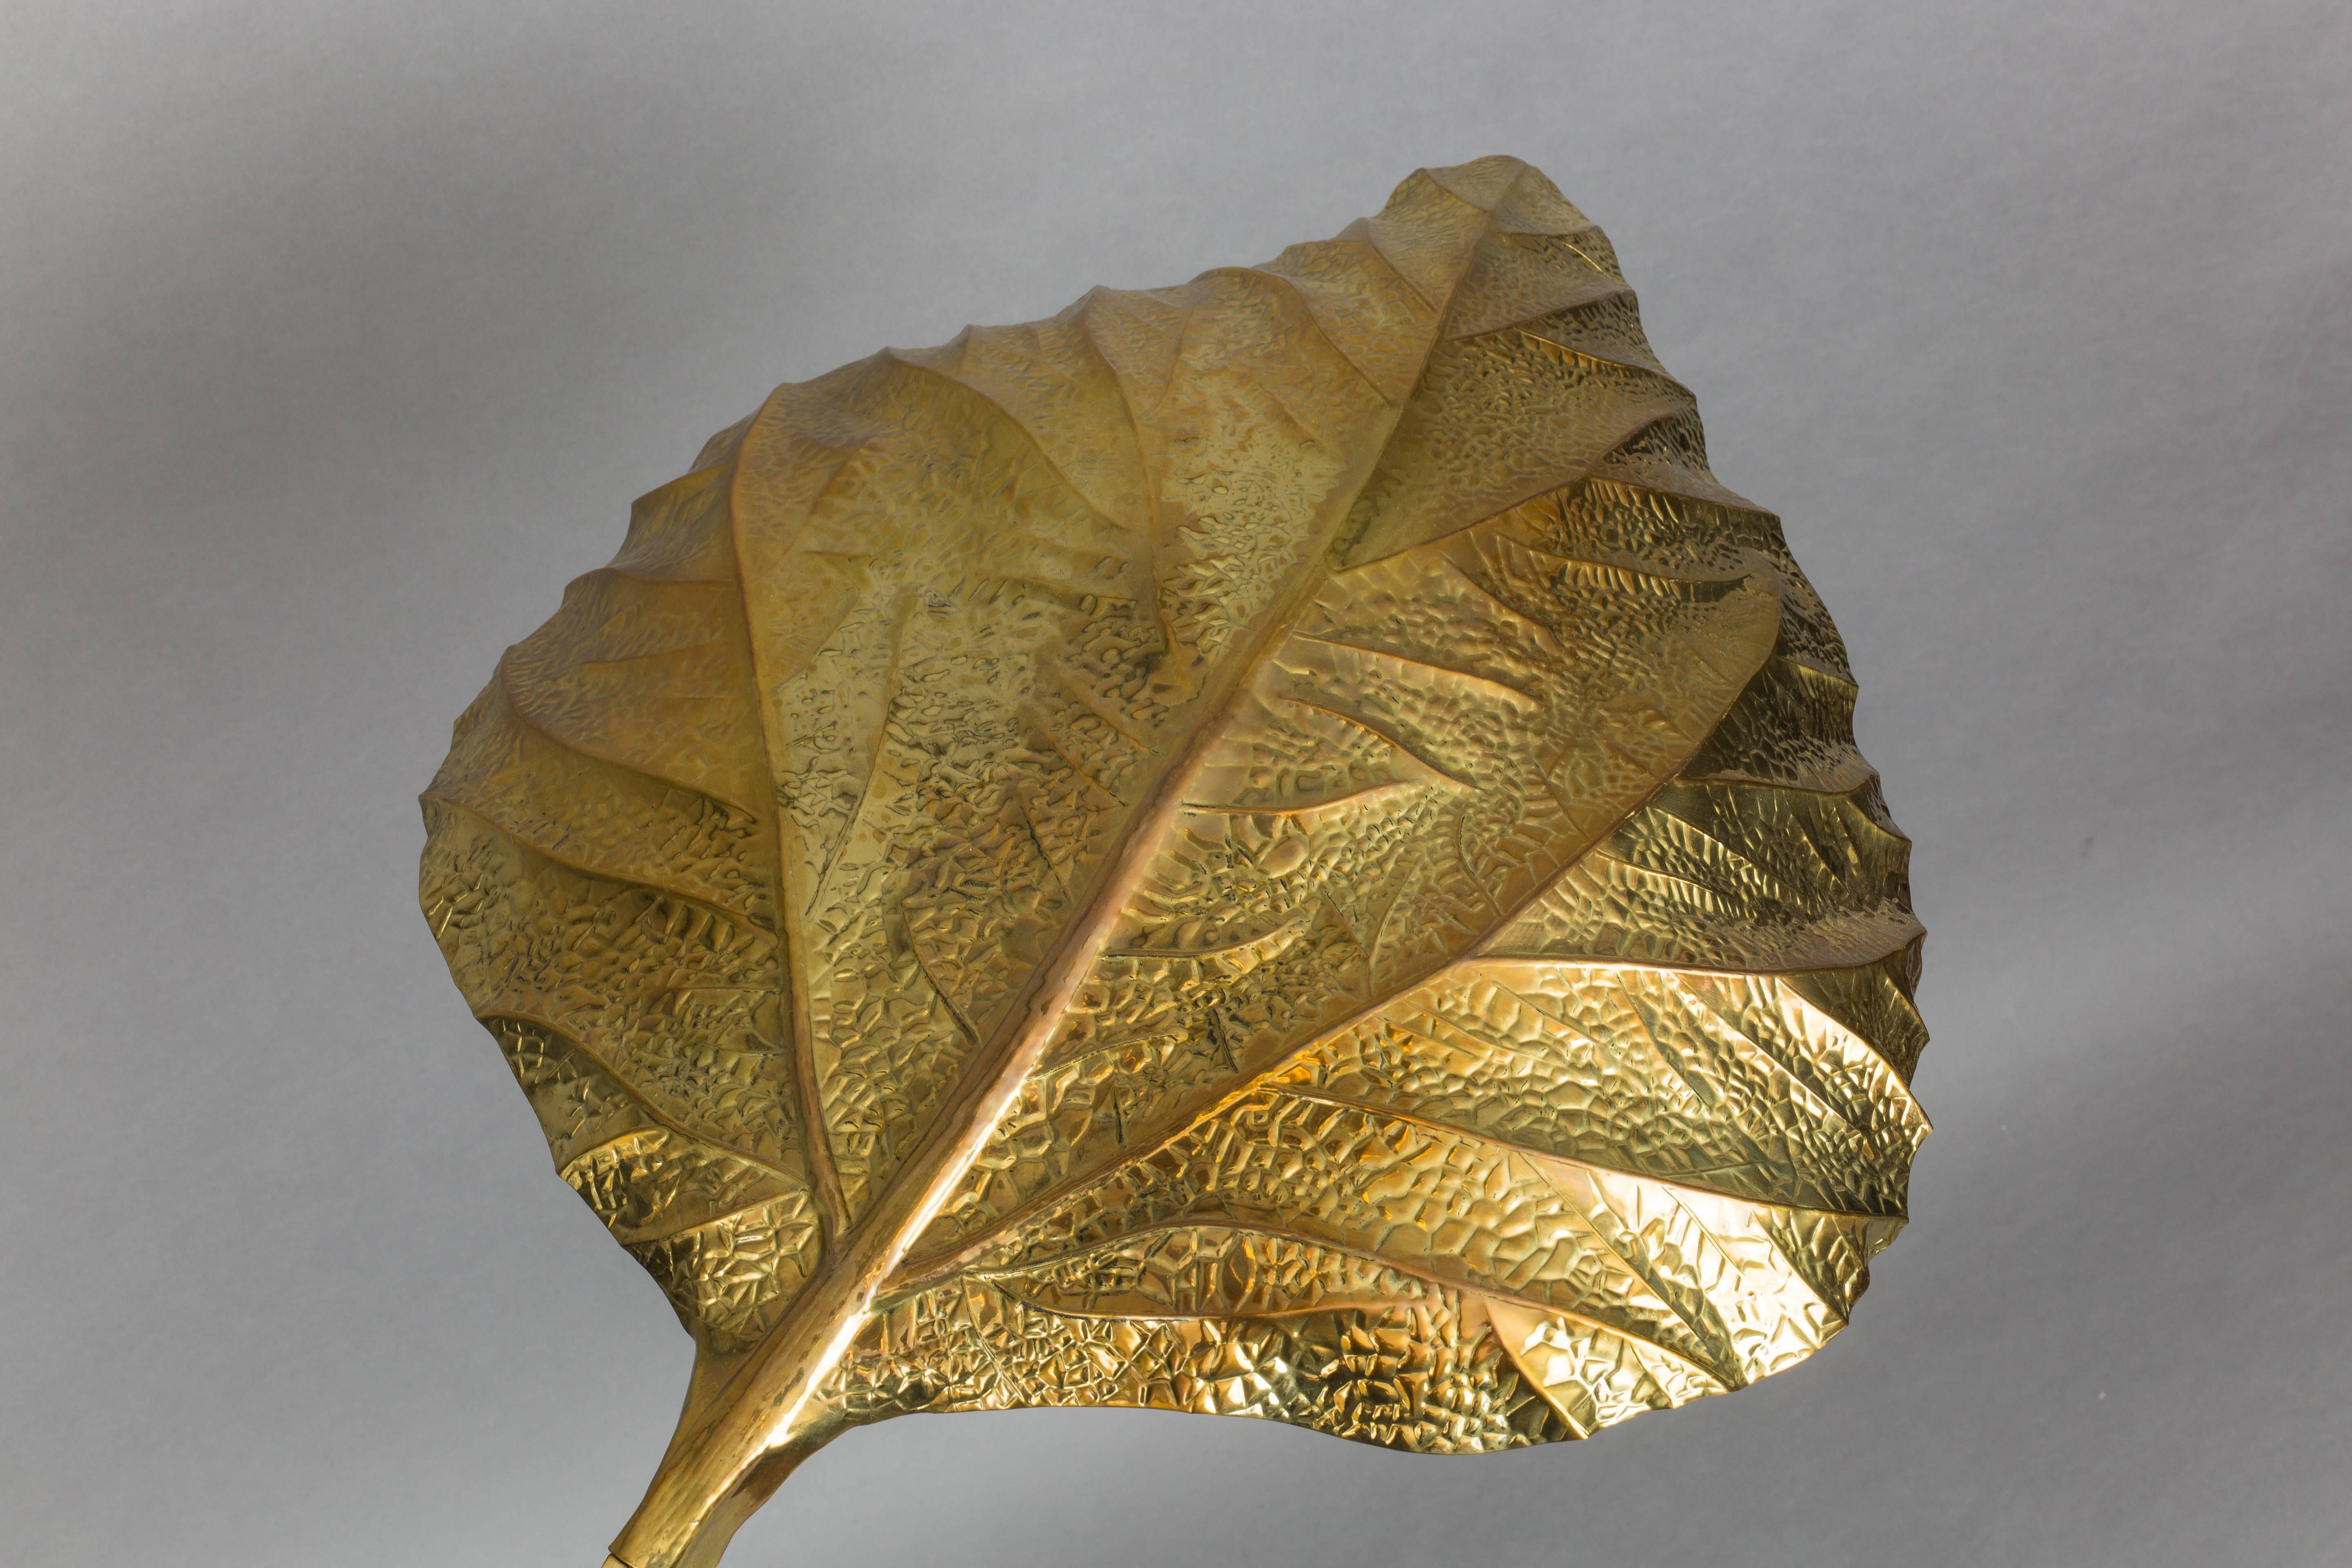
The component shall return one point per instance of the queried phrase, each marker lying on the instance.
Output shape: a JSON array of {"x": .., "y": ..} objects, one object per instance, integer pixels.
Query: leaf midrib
[{"x": 997, "y": 1069}]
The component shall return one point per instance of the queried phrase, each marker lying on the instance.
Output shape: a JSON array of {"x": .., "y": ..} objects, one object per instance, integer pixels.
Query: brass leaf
[{"x": 1278, "y": 846}]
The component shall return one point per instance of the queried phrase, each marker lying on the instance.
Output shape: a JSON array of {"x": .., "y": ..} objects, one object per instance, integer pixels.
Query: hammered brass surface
[{"x": 1278, "y": 848}]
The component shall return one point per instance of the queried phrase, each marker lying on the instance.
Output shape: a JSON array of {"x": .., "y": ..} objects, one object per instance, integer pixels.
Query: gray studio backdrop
[{"x": 335, "y": 339}]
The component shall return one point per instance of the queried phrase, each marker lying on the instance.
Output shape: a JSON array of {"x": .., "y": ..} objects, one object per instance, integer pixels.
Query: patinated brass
[{"x": 1276, "y": 848}]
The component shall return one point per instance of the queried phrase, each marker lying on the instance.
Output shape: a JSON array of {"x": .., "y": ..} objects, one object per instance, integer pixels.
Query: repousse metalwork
[{"x": 1273, "y": 847}]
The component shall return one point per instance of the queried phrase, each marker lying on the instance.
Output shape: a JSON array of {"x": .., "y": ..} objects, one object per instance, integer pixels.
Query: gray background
[{"x": 334, "y": 339}]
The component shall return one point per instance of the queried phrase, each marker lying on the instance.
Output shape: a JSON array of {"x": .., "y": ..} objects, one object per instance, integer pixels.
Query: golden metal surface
[{"x": 1274, "y": 848}]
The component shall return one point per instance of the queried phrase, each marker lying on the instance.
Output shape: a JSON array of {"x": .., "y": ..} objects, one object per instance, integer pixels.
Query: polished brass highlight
[{"x": 1274, "y": 848}]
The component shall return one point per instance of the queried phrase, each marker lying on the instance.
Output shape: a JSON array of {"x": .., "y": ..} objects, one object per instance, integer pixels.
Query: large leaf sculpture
[{"x": 1276, "y": 847}]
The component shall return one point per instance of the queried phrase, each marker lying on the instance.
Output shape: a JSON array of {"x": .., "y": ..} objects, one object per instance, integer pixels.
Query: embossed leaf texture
[{"x": 1276, "y": 848}]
